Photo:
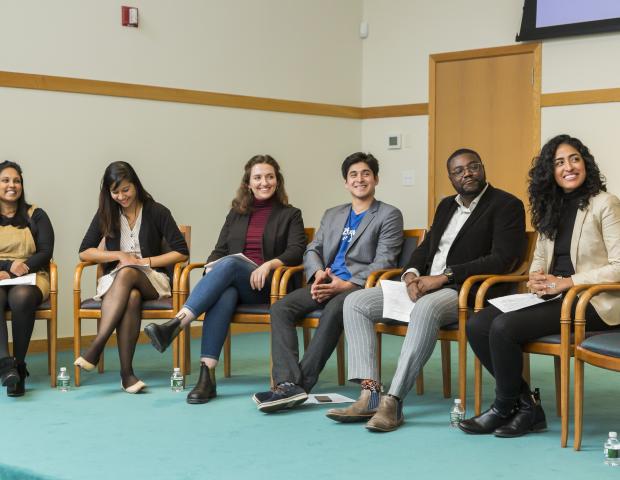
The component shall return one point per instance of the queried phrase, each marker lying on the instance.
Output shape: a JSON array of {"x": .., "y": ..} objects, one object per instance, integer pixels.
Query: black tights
[
  {"x": 496, "y": 338},
  {"x": 23, "y": 301},
  {"x": 121, "y": 310}
]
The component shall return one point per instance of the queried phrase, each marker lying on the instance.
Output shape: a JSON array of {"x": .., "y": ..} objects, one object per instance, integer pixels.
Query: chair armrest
[
  {"x": 77, "y": 275},
  {"x": 286, "y": 278},
  {"x": 53, "y": 278},
  {"x": 494, "y": 280},
  {"x": 377, "y": 275},
  {"x": 391, "y": 273},
  {"x": 584, "y": 300},
  {"x": 184, "y": 278},
  {"x": 276, "y": 281},
  {"x": 467, "y": 286}
]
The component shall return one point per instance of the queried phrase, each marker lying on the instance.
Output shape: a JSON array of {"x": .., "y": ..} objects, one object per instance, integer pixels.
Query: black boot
[
  {"x": 529, "y": 418},
  {"x": 162, "y": 335},
  {"x": 8, "y": 372},
  {"x": 205, "y": 388},
  {"x": 19, "y": 388},
  {"x": 485, "y": 423}
]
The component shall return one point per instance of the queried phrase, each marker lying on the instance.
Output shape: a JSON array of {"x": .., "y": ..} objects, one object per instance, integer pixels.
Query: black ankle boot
[
  {"x": 485, "y": 423},
  {"x": 530, "y": 417},
  {"x": 162, "y": 335},
  {"x": 205, "y": 388},
  {"x": 19, "y": 388},
  {"x": 9, "y": 375}
]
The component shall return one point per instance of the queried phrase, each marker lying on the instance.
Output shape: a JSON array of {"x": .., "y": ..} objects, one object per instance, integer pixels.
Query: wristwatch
[{"x": 450, "y": 274}]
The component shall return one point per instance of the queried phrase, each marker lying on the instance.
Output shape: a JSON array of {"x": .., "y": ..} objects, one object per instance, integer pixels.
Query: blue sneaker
[{"x": 285, "y": 395}]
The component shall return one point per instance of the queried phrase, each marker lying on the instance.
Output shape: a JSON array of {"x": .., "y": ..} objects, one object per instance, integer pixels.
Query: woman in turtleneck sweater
[
  {"x": 578, "y": 225},
  {"x": 269, "y": 233}
]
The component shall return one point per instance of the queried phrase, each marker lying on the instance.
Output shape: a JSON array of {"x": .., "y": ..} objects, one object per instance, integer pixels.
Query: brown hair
[{"x": 242, "y": 203}]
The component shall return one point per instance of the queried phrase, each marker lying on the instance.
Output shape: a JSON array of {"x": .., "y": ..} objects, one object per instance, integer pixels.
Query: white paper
[
  {"x": 334, "y": 398},
  {"x": 209, "y": 266},
  {"x": 396, "y": 302},
  {"x": 29, "y": 279},
  {"x": 510, "y": 303}
]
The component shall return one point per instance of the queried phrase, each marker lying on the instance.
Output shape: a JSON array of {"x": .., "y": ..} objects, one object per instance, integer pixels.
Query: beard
[{"x": 472, "y": 189}]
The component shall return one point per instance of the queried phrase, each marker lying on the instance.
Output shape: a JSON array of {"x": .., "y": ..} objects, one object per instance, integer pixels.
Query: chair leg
[
  {"x": 176, "y": 348},
  {"x": 558, "y": 382},
  {"x": 227, "y": 353},
  {"x": 578, "y": 403},
  {"x": 462, "y": 346},
  {"x": 446, "y": 369},
  {"x": 379, "y": 338},
  {"x": 477, "y": 386},
  {"x": 52, "y": 333},
  {"x": 526, "y": 368},
  {"x": 181, "y": 353},
  {"x": 340, "y": 359},
  {"x": 101, "y": 357},
  {"x": 77, "y": 340},
  {"x": 49, "y": 350},
  {"x": 419, "y": 383}
]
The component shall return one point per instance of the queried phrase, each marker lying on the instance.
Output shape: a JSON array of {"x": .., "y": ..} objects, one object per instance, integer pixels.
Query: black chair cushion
[
  {"x": 451, "y": 326},
  {"x": 159, "y": 304},
  {"x": 604, "y": 343},
  {"x": 315, "y": 313},
  {"x": 253, "y": 308},
  {"x": 555, "y": 338}
]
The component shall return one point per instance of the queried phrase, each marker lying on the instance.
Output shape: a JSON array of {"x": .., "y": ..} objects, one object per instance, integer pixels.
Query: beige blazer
[{"x": 594, "y": 251}]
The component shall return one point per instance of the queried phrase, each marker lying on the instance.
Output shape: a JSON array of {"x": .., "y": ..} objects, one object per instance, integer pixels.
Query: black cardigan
[
  {"x": 43, "y": 235},
  {"x": 157, "y": 225},
  {"x": 283, "y": 237}
]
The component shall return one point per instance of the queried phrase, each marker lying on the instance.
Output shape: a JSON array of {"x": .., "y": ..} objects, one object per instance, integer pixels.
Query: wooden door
[{"x": 487, "y": 100}]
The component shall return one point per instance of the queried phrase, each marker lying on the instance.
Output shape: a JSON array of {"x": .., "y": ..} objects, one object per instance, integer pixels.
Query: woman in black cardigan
[
  {"x": 126, "y": 236},
  {"x": 268, "y": 233}
]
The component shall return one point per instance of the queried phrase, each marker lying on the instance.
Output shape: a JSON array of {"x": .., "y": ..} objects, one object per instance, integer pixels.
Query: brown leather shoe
[
  {"x": 389, "y": 415},
  {"x": 360, "y": 411}
]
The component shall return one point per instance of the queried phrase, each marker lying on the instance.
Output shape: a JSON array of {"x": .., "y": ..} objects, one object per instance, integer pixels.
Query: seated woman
[
  {"x": 126, "y": 236},
  {"x": 578, "y": 226},
  {"x": 26, "y": 246},
  {"x": 269, "y": 232}
]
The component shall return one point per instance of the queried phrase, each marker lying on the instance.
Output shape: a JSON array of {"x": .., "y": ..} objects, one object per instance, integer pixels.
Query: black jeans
[
  {"x": 285, "y": 314},
  {"x": 496, "y": 338}
]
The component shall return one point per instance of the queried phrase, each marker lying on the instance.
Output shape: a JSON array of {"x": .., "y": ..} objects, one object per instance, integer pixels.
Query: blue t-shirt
[{"x": 338, "y": 265}]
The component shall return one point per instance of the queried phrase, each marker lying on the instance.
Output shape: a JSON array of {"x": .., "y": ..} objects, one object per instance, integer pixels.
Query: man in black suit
[{"x": 479, "y": 230}]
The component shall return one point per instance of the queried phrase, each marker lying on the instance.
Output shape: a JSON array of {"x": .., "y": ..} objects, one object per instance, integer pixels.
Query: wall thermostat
[{"x": 394, "y": 141}]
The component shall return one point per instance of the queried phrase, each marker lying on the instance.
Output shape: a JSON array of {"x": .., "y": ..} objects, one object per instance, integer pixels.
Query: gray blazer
[{"x": 376, "y": 244}]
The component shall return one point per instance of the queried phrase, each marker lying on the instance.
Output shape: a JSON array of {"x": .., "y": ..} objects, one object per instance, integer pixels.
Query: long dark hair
[
  {"x": 108, "y": 212},
  {"x": 546, "y": 196},
  {"x": 21, "y": 219},
  {"x": 242, "y": 203}
]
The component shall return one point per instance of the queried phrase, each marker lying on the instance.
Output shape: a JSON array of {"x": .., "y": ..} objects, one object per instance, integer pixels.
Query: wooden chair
[
  {"x": 251, "y": 314},
  {"x": 456, "y": 332},
  {"x": 160, "y": 309},
  {"x": 48, "y": 311},
  {"x": 601, "y": 350}
]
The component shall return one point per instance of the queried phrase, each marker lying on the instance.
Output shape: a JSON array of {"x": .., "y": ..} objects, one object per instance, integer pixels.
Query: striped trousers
[{"x": 364, "y": 308}]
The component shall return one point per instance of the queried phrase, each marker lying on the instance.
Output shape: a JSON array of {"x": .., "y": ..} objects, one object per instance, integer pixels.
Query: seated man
[
  {"x": 479, "y": 230},
  {"x": 352, "y": 241}
]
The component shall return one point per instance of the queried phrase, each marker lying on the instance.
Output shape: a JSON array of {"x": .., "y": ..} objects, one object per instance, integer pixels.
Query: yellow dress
[{"x": 18, "y": 244}]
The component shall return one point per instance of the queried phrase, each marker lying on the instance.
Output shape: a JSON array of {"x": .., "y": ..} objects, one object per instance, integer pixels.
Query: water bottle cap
[
  {"x": 176, "y": 369},
  {"x": 457, "y": 401},
  {"x": 63, "y": 369},
  {"x": 613, "y": 434}
]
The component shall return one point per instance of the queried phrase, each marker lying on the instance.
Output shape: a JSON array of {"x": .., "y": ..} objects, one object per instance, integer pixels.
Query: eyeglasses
[{"x": 473, "y": 167}]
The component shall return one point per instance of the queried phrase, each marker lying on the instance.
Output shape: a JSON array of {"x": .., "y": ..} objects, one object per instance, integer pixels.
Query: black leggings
[
  {"x": 23, "y": 301},
  {"x": 496, "y": 338}
]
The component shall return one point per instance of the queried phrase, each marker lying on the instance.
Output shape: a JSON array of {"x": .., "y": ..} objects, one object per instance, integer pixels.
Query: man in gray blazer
[{"x": 352, "y": 241}]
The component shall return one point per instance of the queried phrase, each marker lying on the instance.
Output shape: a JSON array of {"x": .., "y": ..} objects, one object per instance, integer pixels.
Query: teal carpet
[{"x": 99, "y": 432}]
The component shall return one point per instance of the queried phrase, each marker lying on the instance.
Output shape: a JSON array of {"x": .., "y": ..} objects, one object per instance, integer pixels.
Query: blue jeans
[{"x": 217, "y": 295}]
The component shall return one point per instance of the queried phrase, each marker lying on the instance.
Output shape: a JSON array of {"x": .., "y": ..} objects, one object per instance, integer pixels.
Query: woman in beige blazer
[{"x": 578, "y": 225}]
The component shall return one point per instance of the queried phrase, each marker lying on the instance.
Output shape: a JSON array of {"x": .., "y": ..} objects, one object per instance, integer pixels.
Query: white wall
[
  {"x": 189, "y": 157},
  {"x": 403, "y": 33}
]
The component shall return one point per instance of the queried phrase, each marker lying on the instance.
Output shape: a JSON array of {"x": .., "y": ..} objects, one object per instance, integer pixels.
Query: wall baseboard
[{"x": 66, "y": 343}]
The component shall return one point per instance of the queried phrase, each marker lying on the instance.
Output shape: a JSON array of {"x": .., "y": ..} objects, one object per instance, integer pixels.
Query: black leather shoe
[
  {"x": 485, "y": 423},
  {"x": 530, "y": 417},
  {"x": 9, "y": 375},
  {"x": 19, "y": 388},
  {"x": 205, "y": 388},
  {"x": 162, "y": 335}
]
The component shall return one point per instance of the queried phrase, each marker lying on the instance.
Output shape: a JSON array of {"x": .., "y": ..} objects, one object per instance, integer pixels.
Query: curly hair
[
  {"x": 21, "y": 218},
  {"x": 546, "y": 196},
  {"x": 242, "y": 203}
]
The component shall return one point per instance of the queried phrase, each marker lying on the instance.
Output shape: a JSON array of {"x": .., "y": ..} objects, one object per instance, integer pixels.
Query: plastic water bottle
[
  {"x": 457, "y": 414},
  {"x": 612, "y": 450},
  {"x": 177, "y": 382},
  {"x": 63, "y": 380}
]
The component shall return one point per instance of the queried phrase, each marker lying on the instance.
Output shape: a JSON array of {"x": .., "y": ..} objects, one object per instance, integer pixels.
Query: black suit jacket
[
  {"x": 283, "y": 237},
  {"x": 492, "y": 240}
]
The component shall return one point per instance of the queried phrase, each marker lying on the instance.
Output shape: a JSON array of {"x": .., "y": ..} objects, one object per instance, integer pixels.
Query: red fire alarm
[{"x": 129, "y": 16}]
